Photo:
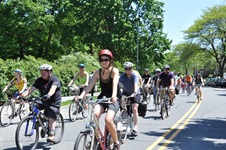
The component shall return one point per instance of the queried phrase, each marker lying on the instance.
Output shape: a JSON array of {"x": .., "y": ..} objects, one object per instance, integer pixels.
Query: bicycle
[
  {"x": 198, "y": 92},
  {"x": 92, "y": 138},
  {"x": 78, "y": 106},
  {"x": 10, "y": 110},
  {"x": 157, "y": 101},
  {"x": 146, "y": 98},
  {"x": 125, "y": 120},
  {"x": 165, "y": 107},
  {"x": 27, "y": 132}
]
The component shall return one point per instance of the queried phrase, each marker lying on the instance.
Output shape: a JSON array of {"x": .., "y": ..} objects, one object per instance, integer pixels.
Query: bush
[{"x": 64, "y": 68}]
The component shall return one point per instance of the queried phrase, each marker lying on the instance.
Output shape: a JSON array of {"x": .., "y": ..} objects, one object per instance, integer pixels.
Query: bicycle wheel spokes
[
  {"x": 6, "y": 114},
  {"x": 24, "y": 112},
  {"x": 73, "y": 111},
  {"x": 83, "y": 142},
  {"x": 27, "y": 134},
  {"x": 85, "y": 111},
  {"x": 59, "y": 129}
]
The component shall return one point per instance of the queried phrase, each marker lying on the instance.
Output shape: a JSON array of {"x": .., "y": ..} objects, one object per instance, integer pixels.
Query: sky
[{"x": 179, "y": 15}]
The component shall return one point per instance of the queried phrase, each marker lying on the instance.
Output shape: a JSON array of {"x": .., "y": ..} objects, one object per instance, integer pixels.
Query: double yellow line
[{"x": 168, "y": 141}]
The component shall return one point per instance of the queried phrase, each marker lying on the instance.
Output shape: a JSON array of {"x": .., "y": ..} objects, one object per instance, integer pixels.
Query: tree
[{"x": 209, "y": 31}]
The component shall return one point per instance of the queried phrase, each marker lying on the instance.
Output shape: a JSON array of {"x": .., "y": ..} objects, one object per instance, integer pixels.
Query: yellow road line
[
  {"x": 180, "y": 128},
  {"x": 172, "y": 128}
]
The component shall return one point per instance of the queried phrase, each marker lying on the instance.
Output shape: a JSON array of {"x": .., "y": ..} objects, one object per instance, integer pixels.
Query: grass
[{"x": 66, "y": 103}]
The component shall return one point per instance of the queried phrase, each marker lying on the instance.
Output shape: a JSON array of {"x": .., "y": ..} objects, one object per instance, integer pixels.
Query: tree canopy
[{"x": 49, "y": 29}]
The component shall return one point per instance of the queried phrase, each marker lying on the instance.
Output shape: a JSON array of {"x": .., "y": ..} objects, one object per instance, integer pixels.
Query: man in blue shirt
[{"x": 130, "y": 82}]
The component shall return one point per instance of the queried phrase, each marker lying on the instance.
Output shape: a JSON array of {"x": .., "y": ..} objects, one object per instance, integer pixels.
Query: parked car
[
  {"x": 208, "y": 81},
  {"x": 219, "y": 82}
]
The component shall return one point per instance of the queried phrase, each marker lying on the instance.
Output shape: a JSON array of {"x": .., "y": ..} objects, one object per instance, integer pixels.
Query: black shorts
[
  {"x": 49, "y": 109},
  {"x": 134, "y": 100},
  {"x": 113, "y": 107}
]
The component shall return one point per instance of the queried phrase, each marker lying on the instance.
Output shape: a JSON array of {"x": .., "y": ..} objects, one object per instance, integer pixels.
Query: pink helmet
[{"x": 105, "y": 52}]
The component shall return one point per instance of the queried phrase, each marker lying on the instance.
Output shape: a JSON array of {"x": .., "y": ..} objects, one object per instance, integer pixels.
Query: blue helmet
[
  {"x": 81, "y": 65},
  {"x": 18, "y": 71}
]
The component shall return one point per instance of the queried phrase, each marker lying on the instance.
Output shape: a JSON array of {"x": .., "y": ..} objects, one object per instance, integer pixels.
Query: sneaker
[
  {"x": 50, "y": 139},
  {"x": 116, "y": 146},
  {"x": 74, "y": 113}
]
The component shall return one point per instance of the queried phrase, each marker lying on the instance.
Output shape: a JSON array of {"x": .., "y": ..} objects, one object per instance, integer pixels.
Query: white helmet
[
  {"x": 128, "y": 65},
  {"x": 46, "y": 67},
  {"x": 157, "y": 70}
]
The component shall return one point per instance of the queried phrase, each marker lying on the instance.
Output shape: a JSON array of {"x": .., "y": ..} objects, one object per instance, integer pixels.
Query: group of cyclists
[{"x": 112, "y": 85}]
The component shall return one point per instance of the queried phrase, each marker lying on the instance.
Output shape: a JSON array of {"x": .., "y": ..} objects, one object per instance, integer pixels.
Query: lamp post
[{"x": 137, "y": 67}]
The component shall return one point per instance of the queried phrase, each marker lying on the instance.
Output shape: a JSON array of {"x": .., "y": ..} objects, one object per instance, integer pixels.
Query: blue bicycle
[{"x": 27, "y": 132}]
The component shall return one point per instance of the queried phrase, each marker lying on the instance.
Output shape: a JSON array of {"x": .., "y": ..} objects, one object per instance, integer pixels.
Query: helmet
[
  {"x": 46, "y": 67},
  {"x": 105, "y": 52},
  {"x": 81, "y": 65},
  {"x": 146, "y": 69},
  {"x": 128, "y": 64},
  {"x": 166, "y": 67},
  {"x": 18, "y": 71},
  {"x": 157, "y": 70},
  {"x": 198, "y": 74}
]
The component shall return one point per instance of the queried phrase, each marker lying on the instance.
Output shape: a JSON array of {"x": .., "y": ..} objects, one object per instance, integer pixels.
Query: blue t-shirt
[{"x": 128, "y": 83}]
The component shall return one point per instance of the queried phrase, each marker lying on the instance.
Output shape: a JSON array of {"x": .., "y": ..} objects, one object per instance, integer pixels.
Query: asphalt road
[{"x": 190, "y": 126}]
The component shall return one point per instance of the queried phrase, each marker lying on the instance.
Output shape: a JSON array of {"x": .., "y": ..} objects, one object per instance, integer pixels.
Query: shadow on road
[{"x": 202, "y": 134}]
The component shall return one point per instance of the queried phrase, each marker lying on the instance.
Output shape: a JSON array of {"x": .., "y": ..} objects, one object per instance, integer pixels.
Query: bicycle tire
[
  {"x": 72, "y": 109},
  {"x": 167, "y": 108},
  {"x": 59, "y": 129},
  {"x": 85, "y": 111},
  {"x": 24, "y": 113},
  {"x": 81, "y": 144},
  {"x": 6, "y": 114},
  {"x": 26, "y": 124},
  {"x": 163, "y": 111}
]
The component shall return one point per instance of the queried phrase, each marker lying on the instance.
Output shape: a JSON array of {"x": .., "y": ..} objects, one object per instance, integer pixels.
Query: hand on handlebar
[
  {"x": 114, "y": 100},
  {"x": 46, "y": 97}
]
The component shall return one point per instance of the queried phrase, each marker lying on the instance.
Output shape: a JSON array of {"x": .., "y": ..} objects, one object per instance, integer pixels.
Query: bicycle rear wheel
[
  {"x": 83, "y": 141},
  {"x": 73, "y": 111},
  {"x": 27, "y": 134},
  {"x": 163, "y": 109},
  {"x": 25, "y": 112},
  {"x": 157, "y": 102},
  {"x": 59, "y": 129},
  {"x": 6, "y": 114}
]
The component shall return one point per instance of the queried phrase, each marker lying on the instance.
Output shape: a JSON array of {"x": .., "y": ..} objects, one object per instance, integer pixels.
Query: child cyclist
[{"x": 21, "y": 84}]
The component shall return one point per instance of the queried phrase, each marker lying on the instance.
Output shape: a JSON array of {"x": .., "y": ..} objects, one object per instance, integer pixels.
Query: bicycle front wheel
[
  {"x": 24, "y": 112},
  {"x": 73, "y": 111},
  {"x": 6, "y": 114},
  {"x": 83, "y": 141},
  {"x": 85, "y": 110},
  {"x": 27, "y": 134},
  {"x": 59, "y": 129}
]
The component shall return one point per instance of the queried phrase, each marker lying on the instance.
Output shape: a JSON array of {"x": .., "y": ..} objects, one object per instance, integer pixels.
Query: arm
[
  {"x": 115, "y": 76},
  {"x": 52, "y": 90},
  {"x": 72, "y": 81},
  {"x": 28, "y": 92},
  {"x": 157, "y": 84},
  {"x": 149, "y": 81},
  {"x": 172, "y": 84},
  {"x": 8, "y": 85}
]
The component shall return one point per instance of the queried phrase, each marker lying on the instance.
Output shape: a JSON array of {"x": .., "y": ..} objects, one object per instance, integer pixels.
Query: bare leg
[
  {"x": 110, "y": 125},
  {"x": 135, "y": 113}
]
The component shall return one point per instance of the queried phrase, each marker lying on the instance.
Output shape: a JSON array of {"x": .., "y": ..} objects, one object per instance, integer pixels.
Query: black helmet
[{"x": 166, "y": 67}]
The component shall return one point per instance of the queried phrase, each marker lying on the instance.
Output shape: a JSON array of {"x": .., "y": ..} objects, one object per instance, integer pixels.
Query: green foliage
[
  {"x": 64, "y": 68},
  {"x": 209, "y": 32}
]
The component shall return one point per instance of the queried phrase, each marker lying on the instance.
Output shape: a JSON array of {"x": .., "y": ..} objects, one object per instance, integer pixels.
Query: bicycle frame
[{"x": 95, "y": 130}]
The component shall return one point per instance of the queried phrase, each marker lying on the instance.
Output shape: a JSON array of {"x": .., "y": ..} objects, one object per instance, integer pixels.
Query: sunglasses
[
  {"x": 81, "y": 67},
  {"x": 128, "y": 68},
  {"x": 104, "y": 60}
]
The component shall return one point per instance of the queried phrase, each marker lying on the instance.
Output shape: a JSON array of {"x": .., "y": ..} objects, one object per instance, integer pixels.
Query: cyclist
[
  {"x": 198, "y": 83},
  {"x": 50, "y": 90},
  {"x": 81, "y": 79},
  {"x": 167, "y": 80},
  {"x": 130, "y": 82},
  {"x": 109, "y": 78},
  {"x": 189, "y": 82},
  {"x": 21, "y": 84},
  {"x": 154, "y": 82},
  {"x": 146, "y": 81}
]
